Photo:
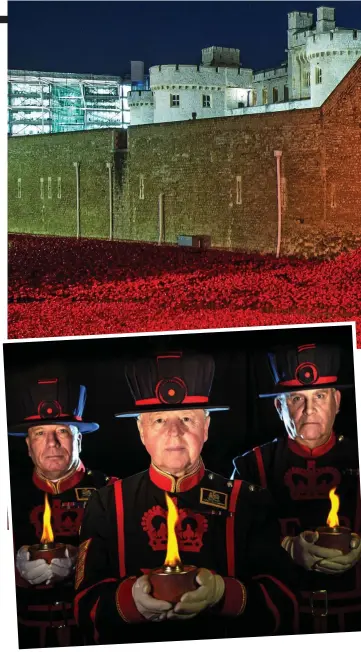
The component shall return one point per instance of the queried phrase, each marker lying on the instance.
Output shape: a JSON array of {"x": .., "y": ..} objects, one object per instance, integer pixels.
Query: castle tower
[
  {"x": 319, "y": 55},
  {"x": 325, "y": 19},
  {"x": 331, "y": 52},
  {"x": 141, "y": 104},
  {"x": 223, "y": 57},
  {"x": 300, "y": 23},
  {"x": 186, "y": 92}
]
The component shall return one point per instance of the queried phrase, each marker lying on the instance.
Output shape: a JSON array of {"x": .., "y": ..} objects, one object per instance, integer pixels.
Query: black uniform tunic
[
  {"x": 227, "y": 527},
  {"x": 299, "y": 480},
  {"x": 45, "y": 614}
]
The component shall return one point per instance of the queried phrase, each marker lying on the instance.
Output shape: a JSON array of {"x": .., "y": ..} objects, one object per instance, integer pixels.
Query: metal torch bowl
[
  {"x": 338, "y": 538},
  {"x": 171, "y": 582},
  {"x": 47, "y": 551}
]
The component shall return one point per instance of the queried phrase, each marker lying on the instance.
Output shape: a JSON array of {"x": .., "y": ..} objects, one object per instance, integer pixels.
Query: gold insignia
[
  {"x": 214, "y": 498},
  {"x": 84, "y": 493},
  {"x": 80, "y": 563}
]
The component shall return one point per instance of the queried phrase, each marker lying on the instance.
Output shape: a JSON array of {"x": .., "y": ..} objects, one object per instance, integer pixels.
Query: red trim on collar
[
  {"x": 168, "y": 482},
  {"x": 304, "y": 451},
  {"x": 68, "y": 482}
]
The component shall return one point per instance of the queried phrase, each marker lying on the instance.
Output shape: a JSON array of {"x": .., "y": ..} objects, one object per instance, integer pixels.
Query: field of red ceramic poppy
[{"x": 65, "y": 287}]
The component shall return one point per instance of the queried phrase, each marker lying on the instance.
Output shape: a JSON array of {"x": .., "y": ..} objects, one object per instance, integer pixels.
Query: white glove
[
  {"x": 342, "y": 563},
  {"x": 148, "y": 606},
  {"x": 34, "y": 572},
  {"x": 63, "y": 567},
  {"x": 304, "y": 552},
  {"x": 209, "y": 593}
]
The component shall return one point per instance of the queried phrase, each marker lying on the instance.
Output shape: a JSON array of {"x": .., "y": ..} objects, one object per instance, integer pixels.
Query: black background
[{"x": 241, "y": 374}]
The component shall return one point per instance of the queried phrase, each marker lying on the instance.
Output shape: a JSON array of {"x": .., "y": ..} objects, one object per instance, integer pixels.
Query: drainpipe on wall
[
  {"x": 161, "y": 218},
  {"x": 278, "y": 155},
  {"x": 110, "y": 173},
  {"x": 77, "y": 165}
]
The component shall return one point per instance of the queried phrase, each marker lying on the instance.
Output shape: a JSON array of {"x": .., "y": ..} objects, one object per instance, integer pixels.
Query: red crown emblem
[
  {"x": 65, "y": 522},
  {"x": 311, "y": 483},
  {"x": 189, "y": 529}
]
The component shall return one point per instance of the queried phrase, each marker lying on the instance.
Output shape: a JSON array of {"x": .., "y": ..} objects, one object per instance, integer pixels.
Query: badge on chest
[
  {"x": 213, "y": 498},
  {"x": 84, "y": 493}
]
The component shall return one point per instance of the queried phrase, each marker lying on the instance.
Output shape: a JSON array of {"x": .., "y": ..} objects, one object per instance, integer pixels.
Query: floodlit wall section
[{"x": 41, "y": 103}]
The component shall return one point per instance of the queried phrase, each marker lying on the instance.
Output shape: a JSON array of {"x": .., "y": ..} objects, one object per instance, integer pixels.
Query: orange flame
[
  {"x": 172, "y": 558},
  {"x": 47, "y": 536},
  {"x": 332, "y": 519}
]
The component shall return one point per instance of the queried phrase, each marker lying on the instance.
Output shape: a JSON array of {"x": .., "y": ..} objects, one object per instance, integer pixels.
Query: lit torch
[
  {"x": 334, "y": 535},
  {"x": 173, "y": 579},
  {"x": 47, "y": 549}
]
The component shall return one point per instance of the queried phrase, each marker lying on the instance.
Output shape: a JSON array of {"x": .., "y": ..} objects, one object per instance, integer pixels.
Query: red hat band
[
  {"x": 50, "y": 410},
  {"x": 171, "y": 391},
  {"x": 307, "y": 374}
]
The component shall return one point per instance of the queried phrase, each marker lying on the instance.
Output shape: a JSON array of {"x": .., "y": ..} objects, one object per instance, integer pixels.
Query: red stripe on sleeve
[
  {"x": 119, "y": 507},
  {"x": 289, "y": 594},
  {"x": 230, "y": 528},
  {"x": 111, "y": 480},
  {"x": 92, "y": 617},
  {"x": 80, "y": 595},
  {"x": 260, "y": 465},
  {"x": 272, "y": 607}
]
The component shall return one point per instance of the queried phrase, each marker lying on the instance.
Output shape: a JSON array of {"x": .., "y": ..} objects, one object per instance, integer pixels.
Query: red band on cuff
[
  {"x": 235, "y": 597},
  {"x": 125, "y": 603}
]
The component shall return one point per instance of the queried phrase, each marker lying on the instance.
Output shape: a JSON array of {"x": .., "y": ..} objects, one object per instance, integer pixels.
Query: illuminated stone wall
[
  {"x": 217, "y": 177},
  {"x": 42, "y": 182}
]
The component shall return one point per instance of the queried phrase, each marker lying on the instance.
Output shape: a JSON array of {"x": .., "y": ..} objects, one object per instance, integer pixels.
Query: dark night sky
[{"x": 102, "y": 37}]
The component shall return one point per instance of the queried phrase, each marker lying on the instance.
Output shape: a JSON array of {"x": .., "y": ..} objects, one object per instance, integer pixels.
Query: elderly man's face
[
  {"x": 174, "y": 439},
  {"x": 54, "y": 449},
  {"x": 309, "y": 415}
]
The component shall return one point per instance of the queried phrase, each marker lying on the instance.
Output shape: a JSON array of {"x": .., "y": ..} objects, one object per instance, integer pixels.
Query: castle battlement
[
  {"x": 319, "y": 55},
  {"x": 300, "y": 20},
  {"x": 272, "y": 73},
  {"x": 219, "y": 56},
  {"x": 177, "y": 75},
  {"x": 140, "y": 97},
  {"x": 335, "y": 42}
]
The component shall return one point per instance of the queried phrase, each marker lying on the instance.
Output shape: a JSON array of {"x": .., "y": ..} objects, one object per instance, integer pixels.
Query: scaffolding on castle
[{"x": 41, "y": 103}]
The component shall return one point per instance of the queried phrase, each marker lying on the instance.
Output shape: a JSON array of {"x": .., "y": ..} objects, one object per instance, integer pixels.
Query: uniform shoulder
[
  {"x": 265, "y": 449},
  {"x": 347, "y": 450},
  {"x": 136, "y": 476},
  {"x": 220, "y": 483},
  {"x": 254, "y": 492},
  {"x": 216, "y": 481},
  {"x": 346, "y": 442},
  {"x": 98, "y": 479}
]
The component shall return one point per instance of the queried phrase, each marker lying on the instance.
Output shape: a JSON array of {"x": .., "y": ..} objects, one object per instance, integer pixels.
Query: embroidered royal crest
[
  {"x": 189, "y": 529},
  {"x": 80, "y": 564},
  {"x": 311, "y": 483},
  {"x": 214, "y": 498},
  {"x": 65, "y": 520}
]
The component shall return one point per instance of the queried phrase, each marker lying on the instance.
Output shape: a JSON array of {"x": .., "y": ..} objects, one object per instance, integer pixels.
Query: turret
[{"x": 325, "y": 19}]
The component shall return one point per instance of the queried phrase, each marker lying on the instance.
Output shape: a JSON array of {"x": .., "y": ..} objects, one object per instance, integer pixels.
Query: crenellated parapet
[
  {"x": 319, "y": 55},
  {"x": 185, "y": 76},
  {"x": 140, "y": 98},
  {"x": 340, "y": 42}
]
